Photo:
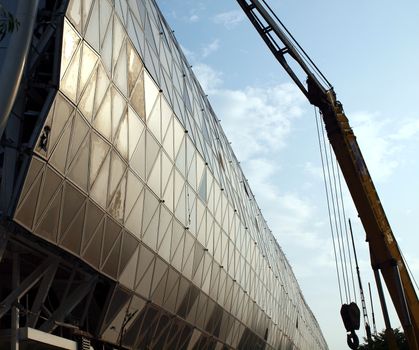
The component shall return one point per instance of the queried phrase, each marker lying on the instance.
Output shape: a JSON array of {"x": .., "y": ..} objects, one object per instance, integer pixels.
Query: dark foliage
[{"x": 380, "y": 341}]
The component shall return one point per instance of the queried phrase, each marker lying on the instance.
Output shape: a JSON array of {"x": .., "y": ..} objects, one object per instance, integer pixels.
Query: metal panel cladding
[{"x": 133, "y": 174}]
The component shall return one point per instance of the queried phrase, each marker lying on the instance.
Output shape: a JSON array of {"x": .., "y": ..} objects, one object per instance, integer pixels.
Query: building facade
[{"x": 127, "y": 214}]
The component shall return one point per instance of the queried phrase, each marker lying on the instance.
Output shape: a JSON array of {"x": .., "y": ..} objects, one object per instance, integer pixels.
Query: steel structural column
[
  {"x": 68, "y": 304},
  {"x": 22, "y": 288},
  {"x": 14, "y": 339},
  {"x": 41, "y": 294},
  {"x": 3, "y": 244}
]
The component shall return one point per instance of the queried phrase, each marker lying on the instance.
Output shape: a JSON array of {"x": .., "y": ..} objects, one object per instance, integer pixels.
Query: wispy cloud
[
  {"x": 314, "y": 170},
  {"x": 293, "y": 217},
  {"x": 229, "y": 19},
  {"x": 193, "y": 18},
  {"x": 259, "y": 122},
  {"x": 196, "y": 12},
  {"x": 212, "y": 47},
  {"x": 190, "y": 55},
  {"x": 209, "y": 78},
  {"x": 206, "y": 50},
  {"x": 264, "y": 114},
  {"x": 378, "y": 148},
  {"x": 191, "y": 13},
  {"x": 409, "y": 129},
  {"x": 381, "y": 140}
]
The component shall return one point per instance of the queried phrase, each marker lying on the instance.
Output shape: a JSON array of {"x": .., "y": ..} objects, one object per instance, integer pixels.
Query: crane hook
[
  {"x": 351, "y": 319},
  {"x": 352, "y": 340}
]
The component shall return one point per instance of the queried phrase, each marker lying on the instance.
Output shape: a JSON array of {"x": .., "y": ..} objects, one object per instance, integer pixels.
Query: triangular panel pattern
[{"x": 134, "y": 175}]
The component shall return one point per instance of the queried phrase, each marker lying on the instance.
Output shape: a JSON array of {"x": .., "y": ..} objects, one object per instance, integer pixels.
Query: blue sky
[{"x": 369, "y": 51}]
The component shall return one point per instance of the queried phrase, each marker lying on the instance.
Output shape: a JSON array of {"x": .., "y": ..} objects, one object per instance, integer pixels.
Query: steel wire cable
[
  {"x": 346, "y": 230},
  {"x": 334, "y": 212},
  {"x": 335, "y": 198},
  {"x": 410, "y": 271},
  {"x": 335, "y": 163},
  {"x": 328, "y": 202}
]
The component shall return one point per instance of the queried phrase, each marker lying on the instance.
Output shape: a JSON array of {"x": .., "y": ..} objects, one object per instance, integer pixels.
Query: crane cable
[
  {"x": 328, "y": 203},
  {"x": 337, "y": 216},
  {"x": 410, "y": 271},
  {"x": 346, "y": 230},
  {"x": 332, "y": 213},
  {"x": 339, "y": 220},
  {"x": 349, "y": 310},
  {"x": 334, "y": 201}
]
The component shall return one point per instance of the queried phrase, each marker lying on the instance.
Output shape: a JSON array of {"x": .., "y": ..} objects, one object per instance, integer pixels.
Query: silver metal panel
[{"x": 133, "y": 175}]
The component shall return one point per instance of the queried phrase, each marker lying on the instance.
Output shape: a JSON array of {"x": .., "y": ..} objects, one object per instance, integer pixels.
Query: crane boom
[{"x": 385, "y": 254}]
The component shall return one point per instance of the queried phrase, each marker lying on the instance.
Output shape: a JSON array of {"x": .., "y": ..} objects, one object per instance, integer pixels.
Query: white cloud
[
  {"x": 190, "y": 55},
  {"x": 212, "y": 47},
  {"x": 229, "y": 19},
  {"x": 314, "y": 169},
  {"x": 189, "y": 12},
  {"x": 256, "y": 119},
  {"x": 292, "y": 216},
  {"x": 377, "y": 146},
  {"x": 259, "y": 121},
  {"x": 408, "y": 130},
  {"x": 205, "y": 51},
  {"x": 382, "y": 142},
  {"x": 209, "y": 78},
  {"x": 193, "y": 18}
]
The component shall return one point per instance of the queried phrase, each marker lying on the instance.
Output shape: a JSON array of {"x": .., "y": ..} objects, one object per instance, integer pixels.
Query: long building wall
[{"x": 133, "y": 174}]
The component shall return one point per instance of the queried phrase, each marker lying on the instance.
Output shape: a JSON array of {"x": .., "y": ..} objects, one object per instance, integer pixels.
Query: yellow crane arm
[{"x": 384, "y": 251}]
